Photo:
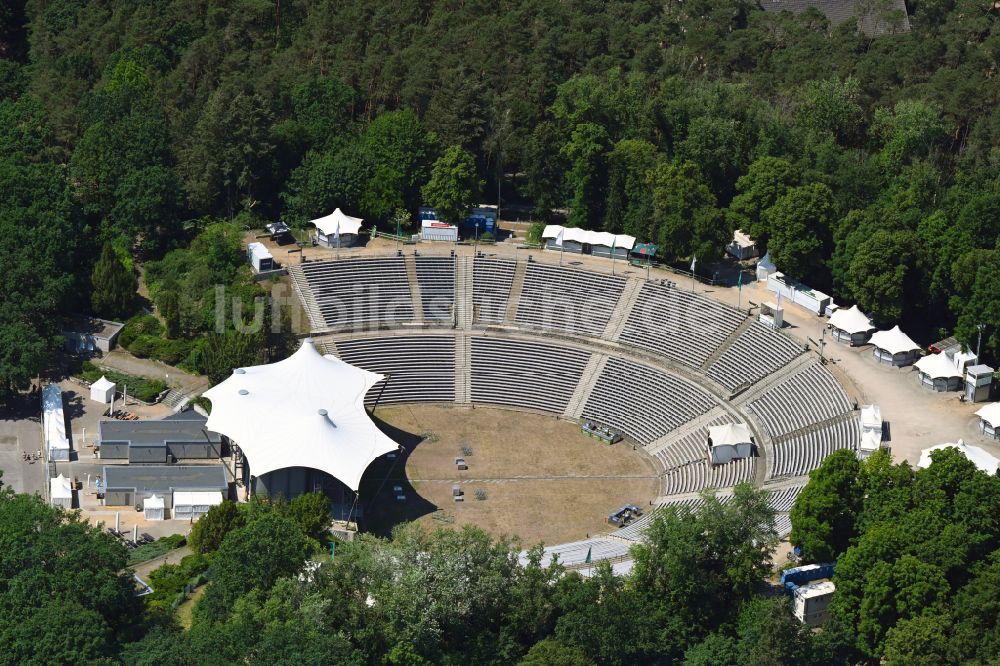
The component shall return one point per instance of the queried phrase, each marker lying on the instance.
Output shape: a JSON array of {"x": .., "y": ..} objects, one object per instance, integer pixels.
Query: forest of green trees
[
  {"x": 918, "y": 584},
  {"x": 867, "y": 166}
]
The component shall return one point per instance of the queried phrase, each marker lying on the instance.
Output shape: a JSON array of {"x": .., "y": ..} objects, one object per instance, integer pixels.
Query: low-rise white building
[{"x": 811, "y": 603}]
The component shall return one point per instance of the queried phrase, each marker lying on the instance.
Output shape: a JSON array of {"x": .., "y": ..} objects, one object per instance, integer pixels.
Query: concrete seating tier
[
  {"x": 359, "y": 292},
  {"x": 525, "y": 374},
  {"x": 642, "y": 402},
  {"x": 422, "y": 367},
  {"x": 811, "y": 396},
  {"x": 575, "y": 553},
  {"x": 688, "y": 470},
  {"x": 491, "y": 283},
  {"x": 800, "y": 454},
  {"x": 568, "y": 300},
  {"x": 679, "y": 324},
  {"x": 782, "y": 500},
  {"x": 756, "y": 353},
  {"x": 436, "y": 278}
]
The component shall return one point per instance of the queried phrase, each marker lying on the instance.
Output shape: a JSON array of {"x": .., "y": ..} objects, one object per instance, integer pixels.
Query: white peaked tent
[
  {"x": 765, "y": 267},
  {"x": 990, "y": 419},
  {"x": 938, "y": 372},
  {"x": 851, "y": 326},
  {"x": 338, "y": 222},
  {"x": 895, "y": 347},
  {"x": 305, "y": 411},
  {"x": 152, "y": 507},
  {"x": 729, "y": 442},
  {"x": 61, "y": 492},
  {"x": 103, "y": 390},
  {"x": 982, "y": 459}
]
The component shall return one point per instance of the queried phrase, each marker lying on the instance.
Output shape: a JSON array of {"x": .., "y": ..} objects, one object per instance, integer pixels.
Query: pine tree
[{"x": 114, "y": 286}]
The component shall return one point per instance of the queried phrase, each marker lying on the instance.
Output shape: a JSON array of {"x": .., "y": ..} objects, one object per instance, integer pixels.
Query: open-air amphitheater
[{"x": 658, "y": 363}]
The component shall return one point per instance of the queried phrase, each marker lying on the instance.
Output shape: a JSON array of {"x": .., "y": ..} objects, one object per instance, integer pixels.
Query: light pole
[
  {"x": 475, "y": 248},
  {"x": 979, "y": 344}
]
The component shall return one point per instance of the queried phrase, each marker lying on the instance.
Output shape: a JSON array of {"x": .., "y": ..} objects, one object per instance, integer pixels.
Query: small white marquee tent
[
  {"x": 894, "y": 347},
  {"x": 984, "y": 460},
  {"x": 851, "y": 326},
  {"x": 305, "y": 411},
  {"x": 765, "y": 267},
  {"x": 61, "y": 492},
  {"x": 989, "y": 417},
  {"x": 337, "y": 222},
  {"x": 103, "y": 390},
  {"x": 729, "y": 442},
  {"x": 938, "y": 372},
  {"x": 152, "y": 507}
]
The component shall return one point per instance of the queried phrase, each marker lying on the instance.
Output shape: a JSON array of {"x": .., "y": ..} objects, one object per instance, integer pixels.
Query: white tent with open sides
[
  {"x": 337, "y": 222},
  {"x": 894, "y": 347},
  {"x": 103, "y": 390},
  {"x": 765, "y": 267},
  {"x": 61, "y": 492},
  {"x": 305, "y": 411},
  {"x": 729, "y": 442},
  {"x": 990, "y": 419},
  {"x": 851, "y": 326},
  {"x": 938, "y": 372},
  {"x": 153, "y": 507}
]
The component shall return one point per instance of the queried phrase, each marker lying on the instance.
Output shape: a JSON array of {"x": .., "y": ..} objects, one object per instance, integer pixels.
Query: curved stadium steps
[{"x": 799, "y": 410}]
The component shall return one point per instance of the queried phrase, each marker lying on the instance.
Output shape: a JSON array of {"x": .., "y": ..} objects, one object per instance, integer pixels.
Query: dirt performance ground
[{"x": 543, "y": 479}]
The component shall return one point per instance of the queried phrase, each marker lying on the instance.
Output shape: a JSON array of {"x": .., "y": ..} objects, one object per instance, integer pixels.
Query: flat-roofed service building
[
  {"x": 128, "y": 485},
  {"x": 179, "y": 437}
]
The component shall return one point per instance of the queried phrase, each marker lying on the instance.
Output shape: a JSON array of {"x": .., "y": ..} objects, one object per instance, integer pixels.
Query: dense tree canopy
[{"x": 869, "y": 167}]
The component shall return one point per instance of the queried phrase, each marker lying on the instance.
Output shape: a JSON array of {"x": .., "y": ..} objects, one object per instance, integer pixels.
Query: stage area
[{"x": 543, "y": 479}]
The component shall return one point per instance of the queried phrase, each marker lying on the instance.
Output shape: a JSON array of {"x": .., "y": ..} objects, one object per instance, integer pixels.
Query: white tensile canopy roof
[
  {"x": 730, "y": 433},
  {"x": 348, "y": 224},
  {"x": 766, "y": 263},
  {"x": 590, "y": 237},
  {"x": 938, "y": 366},
  {"x": 894, "y": 341},
  {"x": 60, "y": 488},
  {"x": 851, "y": 321},
  {"x": 990, "y": 414},
  {"x": 153, "y": 502},
  {"x": 103, "y": 390},
  {"x": 982, "y": 459},
  {"x": 305, "y": 411}
]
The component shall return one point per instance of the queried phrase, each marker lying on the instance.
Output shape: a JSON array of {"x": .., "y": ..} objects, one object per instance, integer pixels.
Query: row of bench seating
[
  {"x": 421, "y": 368},
  {"x": 525, "y": 374},
  {"x": 810, "y": 396},
  {"x": 567, "y": 300},
  {"x": 678, "y": 324},
  {"x": 643, "y": 402},
  {"x": 436, "y": 278},
  {"x": 491, "y": 280},
  {"x": 755, "y": 354},
  {"x": 360, "y": 292},
  {"x": 800, "y": 454}
]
